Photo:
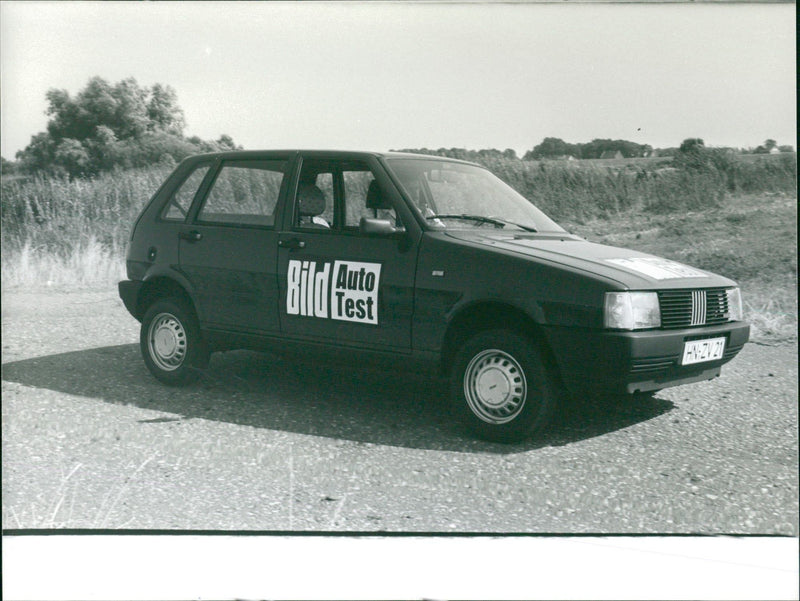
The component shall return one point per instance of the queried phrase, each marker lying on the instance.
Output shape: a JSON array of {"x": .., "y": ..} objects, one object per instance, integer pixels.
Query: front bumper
[{"x": 595, "y": 360}]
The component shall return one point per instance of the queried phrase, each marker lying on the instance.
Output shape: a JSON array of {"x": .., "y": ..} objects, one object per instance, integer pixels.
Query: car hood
[{"x": 632, "y": 269}]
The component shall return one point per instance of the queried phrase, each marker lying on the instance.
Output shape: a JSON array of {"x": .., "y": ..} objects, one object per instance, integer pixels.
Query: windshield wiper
[
  {"x": 527, "y": 228},
  {"x": 496, "y": 221}
]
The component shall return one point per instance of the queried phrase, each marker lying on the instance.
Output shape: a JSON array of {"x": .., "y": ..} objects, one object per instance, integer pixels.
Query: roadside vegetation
[
  {"x": 739, "y": 220},
  {"x": 57, "y": 231},
  {"x": 70, "y": 199},
  {"x": 751, "y": 238}
]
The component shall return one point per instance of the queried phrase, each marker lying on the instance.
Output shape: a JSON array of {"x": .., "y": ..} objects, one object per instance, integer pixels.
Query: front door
[{"x": 338, "y": 285}]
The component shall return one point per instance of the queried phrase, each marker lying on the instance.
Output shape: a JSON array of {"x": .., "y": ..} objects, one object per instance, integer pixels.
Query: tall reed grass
[
  {"x": 582, "y": 190},
  {"x": 75, "y": 232},
  {"x": 61, "y": 231}
]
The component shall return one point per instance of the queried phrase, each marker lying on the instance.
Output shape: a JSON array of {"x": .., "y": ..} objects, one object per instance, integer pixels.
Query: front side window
[
  {"x": 336, "y": 195},
  {"x": 244, "y": 193},
  {"x": 178, "y": 206},
  {"x": 364, "y": 198},
  {"x": 459, "y": 196}
]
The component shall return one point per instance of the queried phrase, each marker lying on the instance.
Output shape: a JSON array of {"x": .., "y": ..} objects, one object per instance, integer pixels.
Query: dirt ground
[{"x": 91, "y": 440}]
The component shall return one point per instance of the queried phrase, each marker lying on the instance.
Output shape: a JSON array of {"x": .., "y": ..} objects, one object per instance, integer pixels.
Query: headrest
[
  {"x": 310, "y": 200},
  {"x": 375, "y": 198}
]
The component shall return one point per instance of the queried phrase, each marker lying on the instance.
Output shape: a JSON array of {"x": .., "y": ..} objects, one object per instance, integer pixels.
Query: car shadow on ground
[{"x": 303, "y": 396}]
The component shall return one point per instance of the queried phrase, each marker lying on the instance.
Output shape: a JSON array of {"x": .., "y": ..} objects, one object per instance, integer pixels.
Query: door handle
[
  {"x": 192, "y": 236},
  {"x": 292, "y": 243}
]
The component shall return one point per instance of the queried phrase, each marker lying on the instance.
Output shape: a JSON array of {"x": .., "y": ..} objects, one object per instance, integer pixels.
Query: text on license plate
[{"x": 698, "y": 351}]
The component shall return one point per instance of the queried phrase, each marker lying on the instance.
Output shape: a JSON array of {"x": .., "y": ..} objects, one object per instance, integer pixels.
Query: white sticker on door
[{"x": 343, "y": 290}]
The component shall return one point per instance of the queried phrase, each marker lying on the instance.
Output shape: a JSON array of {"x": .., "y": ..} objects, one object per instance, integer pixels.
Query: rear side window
[
  {"x": 178, "y": 206},
  {"x": 244, "y": 193}
]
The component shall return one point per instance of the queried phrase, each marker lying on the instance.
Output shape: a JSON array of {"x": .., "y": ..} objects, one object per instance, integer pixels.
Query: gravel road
[{"x": 91, "y": 440}]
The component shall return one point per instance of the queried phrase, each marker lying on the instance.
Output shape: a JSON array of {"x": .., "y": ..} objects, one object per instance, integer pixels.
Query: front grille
[{"x": 688, "y": 308}]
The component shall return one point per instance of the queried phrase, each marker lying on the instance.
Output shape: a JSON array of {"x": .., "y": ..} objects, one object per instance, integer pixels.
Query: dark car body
[{"x": 402, "y": 288}]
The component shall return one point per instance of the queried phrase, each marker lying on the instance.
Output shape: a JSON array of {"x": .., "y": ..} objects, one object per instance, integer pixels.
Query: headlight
[
  {"x": 735, "y": 312},
  {"x": 632, "y": 310}
]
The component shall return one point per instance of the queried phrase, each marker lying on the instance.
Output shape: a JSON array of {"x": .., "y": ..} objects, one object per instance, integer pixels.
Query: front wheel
[
  {"x": 500, "y": 387},
  {"x": 171, "y": 344}
]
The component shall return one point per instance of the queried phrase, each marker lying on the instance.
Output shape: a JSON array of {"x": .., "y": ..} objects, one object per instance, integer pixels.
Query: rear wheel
[
  {"x": 171, "y": 344},
  {"x": 500, "y": 387}
]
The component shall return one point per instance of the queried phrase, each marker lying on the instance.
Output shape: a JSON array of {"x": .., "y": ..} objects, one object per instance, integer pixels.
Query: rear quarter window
[{"x": 178, "y": 206}]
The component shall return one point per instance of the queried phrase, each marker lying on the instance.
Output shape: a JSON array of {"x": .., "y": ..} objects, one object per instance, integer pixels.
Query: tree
[
  {"x": 556, "y": 147},
  {"x": 692, "y": 145},
  {"x": 164, "y": 112},
  {"x": 107, "y": 125},
  {"x": 72, "y": 156},
  {"x": 693, "y": 155},
  {"x": 6, "y": 167},
  {"x": 225, "y": 142},
  {"x": 550, "y": 148}
]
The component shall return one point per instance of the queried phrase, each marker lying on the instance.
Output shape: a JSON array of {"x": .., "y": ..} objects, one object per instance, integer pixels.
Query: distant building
[{"x": 611, "y": 154}]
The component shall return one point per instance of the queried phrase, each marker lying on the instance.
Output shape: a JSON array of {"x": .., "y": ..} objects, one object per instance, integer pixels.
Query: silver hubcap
[
  {"x": 166, "y": 341},
  {"x": 495, "y": 386}
]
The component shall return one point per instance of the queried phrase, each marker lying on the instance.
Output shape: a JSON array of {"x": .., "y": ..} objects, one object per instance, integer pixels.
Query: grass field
[
  {"x": 739, "y": 220},
  {"x": 749, "y": 238}
]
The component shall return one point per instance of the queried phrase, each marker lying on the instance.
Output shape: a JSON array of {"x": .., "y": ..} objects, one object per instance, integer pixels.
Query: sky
[{"x": 379, "y": 76}]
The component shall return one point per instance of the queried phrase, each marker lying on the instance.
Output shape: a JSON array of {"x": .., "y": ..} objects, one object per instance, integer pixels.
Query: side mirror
[{"x": 379, "y": 227}]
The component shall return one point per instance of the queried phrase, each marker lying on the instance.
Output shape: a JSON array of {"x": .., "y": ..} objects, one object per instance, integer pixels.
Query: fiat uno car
[{"x": 420, "y": 260}]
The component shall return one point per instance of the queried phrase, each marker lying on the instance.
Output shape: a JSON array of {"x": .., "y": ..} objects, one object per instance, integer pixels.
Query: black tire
[
  {"x": 171, "y": 344},
  {"x": 500, "y": 388}
]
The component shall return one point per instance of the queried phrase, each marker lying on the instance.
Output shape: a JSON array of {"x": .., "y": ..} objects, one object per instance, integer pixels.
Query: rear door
[
  {"x": 338, "y": 285},
  {"x": 228, "y": 247}
]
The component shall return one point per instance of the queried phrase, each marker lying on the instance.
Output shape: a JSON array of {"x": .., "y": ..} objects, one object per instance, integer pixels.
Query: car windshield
[{"x": 453, "y": 195}]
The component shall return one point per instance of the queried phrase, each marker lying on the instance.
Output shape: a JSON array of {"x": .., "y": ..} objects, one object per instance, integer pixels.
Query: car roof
[{"x": 351, "y": 154}]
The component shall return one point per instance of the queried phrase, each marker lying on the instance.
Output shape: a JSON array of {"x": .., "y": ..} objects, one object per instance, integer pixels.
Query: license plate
[{"x": 699, "y": 351}]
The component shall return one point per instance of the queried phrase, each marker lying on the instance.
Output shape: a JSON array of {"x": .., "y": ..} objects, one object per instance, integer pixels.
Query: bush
[{"x": 581, "y": 190}]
